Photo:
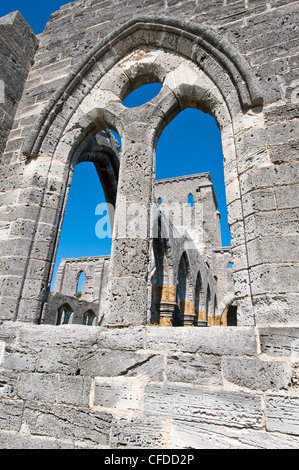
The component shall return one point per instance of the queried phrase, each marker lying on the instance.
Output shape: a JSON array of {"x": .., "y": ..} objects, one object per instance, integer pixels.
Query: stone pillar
[
  {"x": 201, "y": 317},
  {"x": 187, "y": 315},
  {"x": 167, "y": 305},
  {"x": 127, "y": 286}
]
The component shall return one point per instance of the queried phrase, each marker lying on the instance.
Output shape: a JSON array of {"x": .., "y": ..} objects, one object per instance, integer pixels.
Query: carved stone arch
[
  {"x": 104, "y": 152},
  {"x": 64, "y": 314},
  {"x": 185, "y": 291},
  {"x": 218, "y": 80},
  {"x": 89, "y": 318},
  {"x": 197, "y": 43}
]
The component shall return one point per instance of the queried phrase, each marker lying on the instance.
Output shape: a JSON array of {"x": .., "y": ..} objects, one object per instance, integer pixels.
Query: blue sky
[
  {"x": 36, "y": 13},
  {"x": 191, "y": 143}
]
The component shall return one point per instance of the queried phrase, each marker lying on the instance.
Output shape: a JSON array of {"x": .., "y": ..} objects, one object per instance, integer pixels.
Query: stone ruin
[{"x": 163, "y": 348}]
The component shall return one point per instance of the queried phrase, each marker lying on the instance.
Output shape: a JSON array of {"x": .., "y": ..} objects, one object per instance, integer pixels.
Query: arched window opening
[
  {"x": 160, "y": 200},
  {"x": 200, "y": 314},
  {"x": 64, "y": 315},
  {"x": 208, "y": 302},
  {"x": 81, "y": 280},
  {"x": 191, "y": 145},
  {"x": 89, "y": 318},
  {"x": 184, "y": 293},
  {"x": 190, "y": 200},
  {"x": 232, "y": 314},
  {"x": 142, "y": 95},
  {"x": 89, "y": 210}
]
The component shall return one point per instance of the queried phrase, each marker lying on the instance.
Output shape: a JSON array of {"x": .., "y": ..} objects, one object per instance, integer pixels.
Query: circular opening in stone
[{"x": 142, "y": 95}]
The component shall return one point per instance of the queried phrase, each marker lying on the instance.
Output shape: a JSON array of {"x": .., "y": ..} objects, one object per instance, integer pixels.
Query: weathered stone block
[
  {"x": 139, "y": 432},
  {"x": 54, "y": 388},
  {"x": 58, "y": 360},
  {"x": 125, "y": 339},
  {"x": 204, "y": 406},
  {"x": 114, "y": 363},
  {"x": 209, "y": 436},
  {"x": 256, "y": 374},
  {"x": 282, "y": 341},
  {"x": 11, "y": 413},
  {"x": 191, "y": 368},
  {"x": 65, "y": 422},
  {"x": 282, "y": 414},
  {"x": 120, "y": 394},
  {"x": 212, "y": 340}
]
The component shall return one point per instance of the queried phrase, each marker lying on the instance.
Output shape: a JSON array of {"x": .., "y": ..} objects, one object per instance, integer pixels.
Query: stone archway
[{"x": 196, "y": 68}]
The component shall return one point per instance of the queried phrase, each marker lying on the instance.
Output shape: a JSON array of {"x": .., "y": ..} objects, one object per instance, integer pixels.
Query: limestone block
[
  {"x": 19, "y": 361},
  {"x": 11, "y": 412},
  {"x": 124, "y": 363},
  {"x": 64, "y": 422},
  {"x": 260, "y": 200},
  {"x": 190, "y": 368},
  {"x": 22, "y": 441},
  {"x": 256, "y": 374},
  {"x": 120, "y": 394},
  {"x": 212, "y": 340},
  {"x": 273, "y": 250},
  {"x": 282, "y": 414},
  {"x": 58, "y": 360},
  {"x": 126, "y": 302},
  {"x": 204, "y": 406},
  {"x": 38, "y": 337},
  {"x": 8, "y": 383},
  {"x": 209, "y": 436},
  {"x": 274, "y": 278},
  {"x": 271, "y": 223},
  {"x": 276, "y": 308},
  {"x": 129, "y": 339},
  {"x": 282, "y": 341},
  {"x": 287, "y": 196},
  {"x": 126, "y": 261},
  {"x": 138, "y": 432},
  {"x": 53, "y": 388}
]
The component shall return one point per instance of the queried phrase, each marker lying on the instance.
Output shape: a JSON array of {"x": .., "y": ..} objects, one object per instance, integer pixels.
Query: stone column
[
  {"x": 127, "y": 286},
  {"x": 167, "y": 305},
  {"x": 188, "y": 315}
]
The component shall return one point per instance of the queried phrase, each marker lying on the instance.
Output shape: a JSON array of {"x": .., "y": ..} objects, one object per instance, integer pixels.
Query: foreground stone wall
[{"x": 146, "y": 387}]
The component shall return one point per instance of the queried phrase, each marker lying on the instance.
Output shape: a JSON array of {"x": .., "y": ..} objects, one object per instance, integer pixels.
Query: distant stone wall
[{"x": 149, "y": 387}]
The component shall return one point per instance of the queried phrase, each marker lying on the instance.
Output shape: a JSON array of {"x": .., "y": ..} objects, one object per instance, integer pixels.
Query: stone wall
[
  {"x": 149, "y": 387},
  {"x": 141, "y": 386},
  {"x": 18, "y": 45}
]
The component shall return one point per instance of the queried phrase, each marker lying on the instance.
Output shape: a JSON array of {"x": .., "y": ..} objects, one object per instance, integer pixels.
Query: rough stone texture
[
  {"x": 88, "y": 391},
  {"x": 239, "y": 388},
  {"x": 18, "y": 47}
]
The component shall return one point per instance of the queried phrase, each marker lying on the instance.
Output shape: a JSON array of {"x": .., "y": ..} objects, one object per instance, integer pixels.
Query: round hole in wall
[{"x": 142, "y": 95}]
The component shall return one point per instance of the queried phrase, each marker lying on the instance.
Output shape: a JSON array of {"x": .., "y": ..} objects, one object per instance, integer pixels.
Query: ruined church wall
[
  {"x": 79, "y": 386},
  {"x": 18, "y": 45},
  {"x": 264, "y": 33}
]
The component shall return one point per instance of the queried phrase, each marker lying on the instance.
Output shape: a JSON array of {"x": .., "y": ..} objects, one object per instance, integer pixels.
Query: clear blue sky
[
  {"x": 191, "y": 143},
  {"x": 36, "y": 13}
]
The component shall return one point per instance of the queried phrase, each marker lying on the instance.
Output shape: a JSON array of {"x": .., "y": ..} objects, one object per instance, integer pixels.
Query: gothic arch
[
  {"x": 193, "y": 41},
  {"x": 64, "y": 314},
  {"x": 202, "y": 70}
]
